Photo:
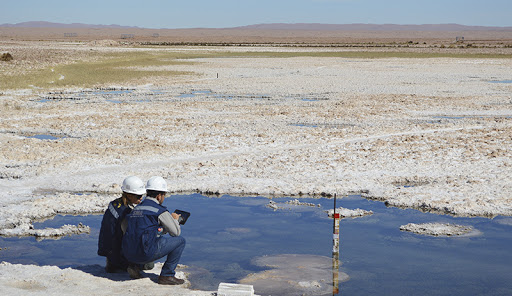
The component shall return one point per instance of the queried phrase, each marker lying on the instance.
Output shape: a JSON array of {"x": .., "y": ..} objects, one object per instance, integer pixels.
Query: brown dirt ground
[{"x": 235, "y": 36}]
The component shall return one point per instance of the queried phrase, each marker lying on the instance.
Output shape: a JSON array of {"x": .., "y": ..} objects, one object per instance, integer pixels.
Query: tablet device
[{"x": 184, "y": 216}]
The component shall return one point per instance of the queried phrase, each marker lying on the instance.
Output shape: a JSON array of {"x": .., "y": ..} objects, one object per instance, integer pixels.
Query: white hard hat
[
  {"x": 157, "y": 184},
  {"x": 133, "y": 185}
]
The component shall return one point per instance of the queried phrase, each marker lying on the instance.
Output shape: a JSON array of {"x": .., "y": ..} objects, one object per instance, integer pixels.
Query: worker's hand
[{"x": 175, "y": 216}]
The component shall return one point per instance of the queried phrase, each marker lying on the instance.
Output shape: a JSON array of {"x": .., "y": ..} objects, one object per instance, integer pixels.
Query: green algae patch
[{"x": 97, "y": 70}]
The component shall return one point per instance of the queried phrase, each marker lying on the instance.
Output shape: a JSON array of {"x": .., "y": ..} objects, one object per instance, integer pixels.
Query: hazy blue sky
[{"x": 231, "y": 13}]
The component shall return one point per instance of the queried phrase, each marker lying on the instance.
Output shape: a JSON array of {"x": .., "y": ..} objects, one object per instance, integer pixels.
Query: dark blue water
[
  {"x": 44, "y": 137},
  {"x": 221, "y": 96},
  {"x": 195, "y": 93},
  {"x": 224, "y": 234}
]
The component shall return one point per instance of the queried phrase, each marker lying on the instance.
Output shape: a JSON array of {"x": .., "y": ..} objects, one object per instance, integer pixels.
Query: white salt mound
[
  {"x": 437, "y": 229},
  {"x": 348, "y": 213}
]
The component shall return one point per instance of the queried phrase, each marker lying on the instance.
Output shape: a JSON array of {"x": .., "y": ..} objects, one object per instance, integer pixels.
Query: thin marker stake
[{"x": 335, "y": 250}]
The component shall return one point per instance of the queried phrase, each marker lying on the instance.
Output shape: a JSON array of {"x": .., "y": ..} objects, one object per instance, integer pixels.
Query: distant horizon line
[{"x": 277, "y": 26}]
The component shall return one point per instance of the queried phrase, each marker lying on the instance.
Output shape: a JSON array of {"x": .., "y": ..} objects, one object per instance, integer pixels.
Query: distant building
[
  {"x": 127, "y": 36},
  {"x": 70, "y": 34},
  {"x": 459, "y": 38},
  {"x": 156, "y": 35}
]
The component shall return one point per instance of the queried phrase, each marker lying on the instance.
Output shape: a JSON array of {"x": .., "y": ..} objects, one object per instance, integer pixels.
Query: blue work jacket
[
  {"x": 111, "y": 235},
  {"x": 139, "y": 240}
]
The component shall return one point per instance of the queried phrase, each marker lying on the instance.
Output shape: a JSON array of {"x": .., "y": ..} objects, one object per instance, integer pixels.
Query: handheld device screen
[{"x": 184, "y": 216}]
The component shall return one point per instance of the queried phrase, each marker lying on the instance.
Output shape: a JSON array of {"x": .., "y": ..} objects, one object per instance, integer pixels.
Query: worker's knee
[{"x": 182, "y": 241}]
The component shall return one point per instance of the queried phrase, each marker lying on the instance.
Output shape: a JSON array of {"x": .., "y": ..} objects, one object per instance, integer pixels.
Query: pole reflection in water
[{"x": 335, "y": 250}]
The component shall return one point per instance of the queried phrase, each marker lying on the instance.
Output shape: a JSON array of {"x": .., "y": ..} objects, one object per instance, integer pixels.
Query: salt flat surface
[
  {"x": 432, "y": 134},
  {"x": 18, "y": 279}
]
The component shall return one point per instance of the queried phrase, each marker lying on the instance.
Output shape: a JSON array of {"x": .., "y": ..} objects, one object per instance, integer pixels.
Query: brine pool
[{"x": 224, "y": 235}]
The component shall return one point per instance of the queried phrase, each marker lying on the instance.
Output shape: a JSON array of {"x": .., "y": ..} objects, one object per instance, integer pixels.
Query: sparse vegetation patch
[{"x": 104, "y": 69}]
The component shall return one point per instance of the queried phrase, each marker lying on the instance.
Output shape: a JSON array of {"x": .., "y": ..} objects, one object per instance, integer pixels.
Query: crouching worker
[
  {"x": 111, "y": 235},
  {"x": 145, "y": 240}
]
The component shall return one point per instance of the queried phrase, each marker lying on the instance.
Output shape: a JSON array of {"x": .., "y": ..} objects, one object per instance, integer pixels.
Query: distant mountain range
[
  {"x": 373, "y": 27},
  {"x": 286, "y": 26},
  {"x": 41, "y": 24}
]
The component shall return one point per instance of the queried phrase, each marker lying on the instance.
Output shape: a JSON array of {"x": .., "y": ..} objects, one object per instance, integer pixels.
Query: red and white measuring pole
[{"x": 335, "y": 250}]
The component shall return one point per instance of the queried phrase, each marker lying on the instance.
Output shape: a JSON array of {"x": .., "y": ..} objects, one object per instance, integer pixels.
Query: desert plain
[{"x": 415, "y": 123}]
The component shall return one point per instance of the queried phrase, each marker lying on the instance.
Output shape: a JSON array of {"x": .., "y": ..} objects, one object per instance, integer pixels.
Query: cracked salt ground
[{"x": 231, "y": 239}]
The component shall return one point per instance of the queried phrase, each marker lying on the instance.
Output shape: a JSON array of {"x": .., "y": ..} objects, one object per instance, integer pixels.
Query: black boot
[
  {"x": 169, "y": 280},
  {"x": 109, "y": 267},
  {"x": 134, "y": 271},
  {"x": 148, "y": 266}
]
